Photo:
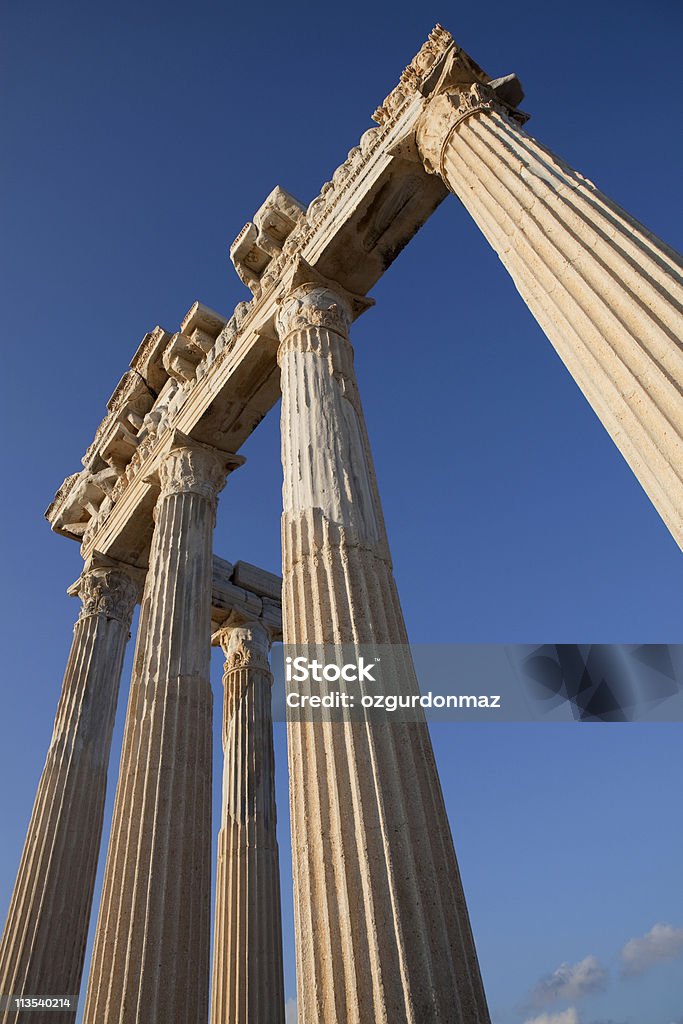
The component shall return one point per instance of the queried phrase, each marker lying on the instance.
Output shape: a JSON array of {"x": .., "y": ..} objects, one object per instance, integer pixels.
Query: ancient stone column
[
  {"x": 247, "y": 982},
  {"x": 151, "y": 955},
  {"x": 606, "y": 291},
  {"x": 382, "y": 930},
  {"x": 43, "y": 943}
]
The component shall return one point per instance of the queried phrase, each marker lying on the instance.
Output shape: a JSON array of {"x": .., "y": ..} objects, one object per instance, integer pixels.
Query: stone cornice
[
  {"x": 224, "y": 371},
  {"x": 439, "y": 55}
]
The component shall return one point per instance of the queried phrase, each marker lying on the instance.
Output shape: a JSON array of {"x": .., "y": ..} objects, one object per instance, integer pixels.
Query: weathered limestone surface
[
  {"x": 382, "y": 929},
  {"x": 606, "y": 291},
  {"x": 217, "y": 376},
  {"x": 151, "y": 956},
  {"x": 247, "y": 978},
  {"x": 43, "y": 944}
]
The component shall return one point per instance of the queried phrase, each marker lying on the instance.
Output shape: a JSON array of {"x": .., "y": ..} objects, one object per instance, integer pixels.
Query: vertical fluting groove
[
  {"x": 635, "y": 443},
  {"x": 651, "y": 262},
  {"x": 606, "y": 291},
  {"x": 652, "y": 358},
  {"x": 610, "y": 393},
  {"x": 373, "y": 943},
  {"x": 248, "y": 986},
  {"x": 151, "y": 955},
  {"x": 43, "y": 944},
  {"x": 600, "y": 390}
]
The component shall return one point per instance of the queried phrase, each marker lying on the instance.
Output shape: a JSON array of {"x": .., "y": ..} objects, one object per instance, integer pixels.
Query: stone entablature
[
  {"x": 216, "y": 378},
  {"x": 244, "y": 593},
  {"x": 607, "y": 294},
  {"x": 260, "y": 242}
]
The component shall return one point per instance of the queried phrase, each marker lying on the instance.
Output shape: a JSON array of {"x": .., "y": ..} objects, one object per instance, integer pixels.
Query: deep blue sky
[{"x": 137, "y": 140}]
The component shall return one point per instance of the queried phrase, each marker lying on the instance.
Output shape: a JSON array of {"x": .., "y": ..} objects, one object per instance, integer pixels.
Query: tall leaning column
[
  {"x": 247, "y": 985},
  {"x": 382, "y": 930},
  {"x": 151, "y": 956},
  {"x": 606, "y": 291},
  {"x": 43, "y": 943}
]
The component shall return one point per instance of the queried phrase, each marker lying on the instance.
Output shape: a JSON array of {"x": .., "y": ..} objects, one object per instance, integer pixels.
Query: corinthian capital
[
  {"x": 192, "y": 467},
  {"x": 313, "y": 305},
  {"x": 246, "y": 645},
  {"x": 110, "y": 588},
  {"x": 454, "y": 103},
  {"x": 443, "y": 115},
  {"x": 314, "y": 301}
]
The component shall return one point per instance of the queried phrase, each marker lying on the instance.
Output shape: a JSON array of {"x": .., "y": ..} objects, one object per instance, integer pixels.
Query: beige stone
[
  {"x": 43, "y": 943},
  {"x": 606, "y": 291},
  {"x": 382, "y": 931},
  {"x": 151, "y": 955},
  {"x": 371, "y": 840},
  {"x": 247, "y": 978}
]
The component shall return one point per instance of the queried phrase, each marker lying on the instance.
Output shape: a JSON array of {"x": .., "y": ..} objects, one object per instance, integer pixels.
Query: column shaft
[
  {"x": 247, "y": 985},
  {"x": 43, "y": 943},
  {"x": 382, "y": 928},
  {"x": 151, "y": 956},
  {"x": 606, "y": 291}
]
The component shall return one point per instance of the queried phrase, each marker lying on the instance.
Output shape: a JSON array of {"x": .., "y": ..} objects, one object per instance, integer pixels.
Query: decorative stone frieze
[
  {"x": 351, "y": 232},
  {"x": 420, "y": 71},
  {"x": 371, "y": 841},
  {"x": 259, "y": 243},
  {"x": 148, "y": 359}
]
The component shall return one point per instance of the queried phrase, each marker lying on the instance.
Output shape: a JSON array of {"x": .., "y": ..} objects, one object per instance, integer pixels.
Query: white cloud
[
  {"x": 568, "y": 1016},
  {"x": 290, "y": 1011},
  {"x": 569, "y": 982},
  {"x": 662, "y": 942}
]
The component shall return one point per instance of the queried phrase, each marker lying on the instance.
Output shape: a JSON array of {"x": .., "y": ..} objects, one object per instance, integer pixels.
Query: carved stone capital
[
  {"x": 448, "y": 109},
  {"x": 314, "y": 301},
  {"x": 110, "y": 588},
  {"x": 192, "y": 467},
  {"x": 313, "y": 305},
  {"x": 245, "y": 646},
  {"x": 443, "y": 115}
]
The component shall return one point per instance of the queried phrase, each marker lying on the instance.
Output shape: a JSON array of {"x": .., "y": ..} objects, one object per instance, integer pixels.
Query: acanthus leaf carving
[
  {"x": 246, "y": 646},
  {"x": 109, "y": 591},
  {"x": 192, "y": 467},
  {"x": 312, "y": 305}
]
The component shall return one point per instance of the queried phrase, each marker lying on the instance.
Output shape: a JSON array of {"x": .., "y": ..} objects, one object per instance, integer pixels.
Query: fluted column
[
  {"x": 151, "y": 956},
  {"x": 43, "y": 943},
  {"x": 247, "y": 982},
  {"x": 606, "y": 291},
  {"x": 382, "y": 930}
]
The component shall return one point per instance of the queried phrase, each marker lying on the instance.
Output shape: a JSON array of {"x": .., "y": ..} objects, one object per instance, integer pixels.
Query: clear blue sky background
[{"x": 137, "y": 140}]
